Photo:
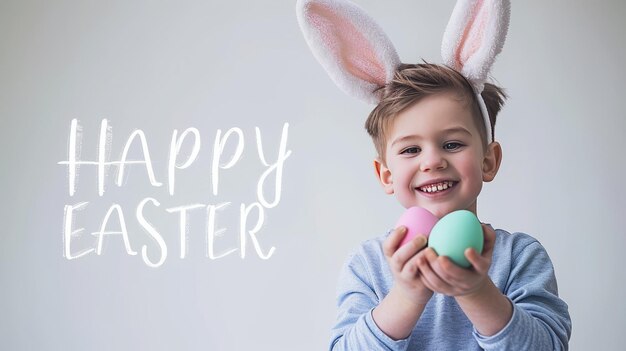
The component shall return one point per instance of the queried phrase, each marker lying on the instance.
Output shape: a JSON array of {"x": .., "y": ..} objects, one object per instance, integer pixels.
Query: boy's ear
[
  {"x": 491, "y": 161},
  {"x": 384, "y": 175}
]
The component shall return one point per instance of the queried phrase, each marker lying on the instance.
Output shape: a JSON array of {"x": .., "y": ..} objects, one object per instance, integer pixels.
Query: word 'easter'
[{"x": 176, "y": 161}]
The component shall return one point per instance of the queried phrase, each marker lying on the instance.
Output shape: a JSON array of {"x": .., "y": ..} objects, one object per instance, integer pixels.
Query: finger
[
  {"x": 412, "y": 247},
  {"x": 420, "y": 241},
  {"x": 427, "y": 283},
  {"x": 411, "y": 268},
  {"x": 449, "y": 271},
  {"x": 434, "y": 262},
  {"x": 430, "y": 254},
  {"x": 433, "y": 281},
  {"x": 390, "y": 245},
  {"x": 438, "y": 269},
  {"x": 452, "y": 274},
  {"x": 404, "y": 253},
  {"x": 490, "y": 238},
  {"x": 460, "y": 279},
  {"x": 479, "y": 263}
]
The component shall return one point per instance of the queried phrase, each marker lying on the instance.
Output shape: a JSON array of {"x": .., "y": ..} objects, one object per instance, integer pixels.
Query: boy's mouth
[{"x": 437, "y": 187}]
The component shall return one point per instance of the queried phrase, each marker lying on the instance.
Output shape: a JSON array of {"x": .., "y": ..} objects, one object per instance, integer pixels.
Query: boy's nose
[{"x": 432, "y": 161}]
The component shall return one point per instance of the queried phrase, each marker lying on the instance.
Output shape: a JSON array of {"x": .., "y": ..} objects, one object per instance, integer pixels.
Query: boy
[
  {"x": 433, "y": 132},
  {"x": 433, "y": 153}
]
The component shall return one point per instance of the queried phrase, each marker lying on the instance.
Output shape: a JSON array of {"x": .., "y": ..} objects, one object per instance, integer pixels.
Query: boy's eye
[
  {"x": 451, "y": 146},
  {"x": 410, "y": 150}
]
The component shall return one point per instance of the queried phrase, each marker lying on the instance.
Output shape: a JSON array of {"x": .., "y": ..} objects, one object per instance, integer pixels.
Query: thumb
[{"x": 490, "y": 237}]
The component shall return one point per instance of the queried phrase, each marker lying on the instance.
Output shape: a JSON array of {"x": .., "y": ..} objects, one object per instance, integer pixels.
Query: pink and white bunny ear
[
  {"x": 353, "y": 49},
  {"x": 474, "y": 36}
]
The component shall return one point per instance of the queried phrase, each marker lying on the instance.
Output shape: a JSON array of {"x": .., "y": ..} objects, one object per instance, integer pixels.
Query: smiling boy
[
  {"x": 433, "y": 129},
  {"x": 433, "y": 153}
]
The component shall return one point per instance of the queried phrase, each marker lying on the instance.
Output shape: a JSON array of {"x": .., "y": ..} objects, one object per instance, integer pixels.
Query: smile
[{"x": 437, "y": 187}]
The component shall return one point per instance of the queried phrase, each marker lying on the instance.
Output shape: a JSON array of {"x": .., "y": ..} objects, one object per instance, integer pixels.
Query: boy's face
[{"x": 435, "y": 158}]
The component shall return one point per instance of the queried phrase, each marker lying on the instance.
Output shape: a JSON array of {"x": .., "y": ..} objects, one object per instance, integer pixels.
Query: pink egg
[{"x": 417, "y": 220}]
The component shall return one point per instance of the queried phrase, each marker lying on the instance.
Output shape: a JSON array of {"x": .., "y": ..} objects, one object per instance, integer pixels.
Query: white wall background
[{"x": 159, "y": 66}]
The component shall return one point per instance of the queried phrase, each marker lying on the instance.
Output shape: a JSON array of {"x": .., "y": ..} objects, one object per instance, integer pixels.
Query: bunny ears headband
[{"x": 360, "y": 58}]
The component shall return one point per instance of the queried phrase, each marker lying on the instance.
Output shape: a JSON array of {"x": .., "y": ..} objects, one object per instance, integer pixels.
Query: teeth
[{"x": 436, "y": 187}]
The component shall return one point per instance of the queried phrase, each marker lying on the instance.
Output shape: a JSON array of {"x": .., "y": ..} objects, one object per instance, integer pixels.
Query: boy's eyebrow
[
  {"x": 451, "y": 130},
  {"x": 406, "y": 137},
  {"x": 458, "y": 129}
]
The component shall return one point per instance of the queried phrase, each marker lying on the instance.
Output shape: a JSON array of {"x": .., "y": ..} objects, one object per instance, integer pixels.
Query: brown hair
[{"x": 413, "y": 82}]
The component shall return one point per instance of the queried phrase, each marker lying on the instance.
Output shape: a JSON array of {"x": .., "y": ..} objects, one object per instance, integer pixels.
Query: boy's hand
[
  {"x": 397, "y": 313},
  {"x": 441, "y": 275},
  {"x": 403, "y": 262}
]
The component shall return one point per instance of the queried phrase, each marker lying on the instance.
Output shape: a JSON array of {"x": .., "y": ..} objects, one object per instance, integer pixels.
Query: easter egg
[
  {"x": 455, "y": 233},
  {"x": 418, "y": 221}
]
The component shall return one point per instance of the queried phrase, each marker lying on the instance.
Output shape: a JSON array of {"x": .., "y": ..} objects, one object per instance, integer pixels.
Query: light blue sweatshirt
[{"x": 520, "y": 268}]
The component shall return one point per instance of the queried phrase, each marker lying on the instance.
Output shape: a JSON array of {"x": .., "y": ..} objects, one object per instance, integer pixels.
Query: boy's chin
[{"x": 440, "y": 211}]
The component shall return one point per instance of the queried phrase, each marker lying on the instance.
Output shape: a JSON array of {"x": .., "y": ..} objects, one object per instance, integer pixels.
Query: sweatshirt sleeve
[
  {"x": 540, "y": 318},
  {"x": 355, "y": 328}
]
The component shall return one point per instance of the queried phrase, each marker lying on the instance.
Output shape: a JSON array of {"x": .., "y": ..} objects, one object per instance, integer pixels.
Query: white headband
[{"x": 361, "y": 59}]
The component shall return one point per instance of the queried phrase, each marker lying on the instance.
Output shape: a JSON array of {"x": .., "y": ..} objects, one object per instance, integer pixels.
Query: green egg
[{"x": 455, "y": 233}]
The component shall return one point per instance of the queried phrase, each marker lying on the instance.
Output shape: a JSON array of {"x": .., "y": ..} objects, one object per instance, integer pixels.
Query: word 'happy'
[{"x": 176, "y": 162}]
